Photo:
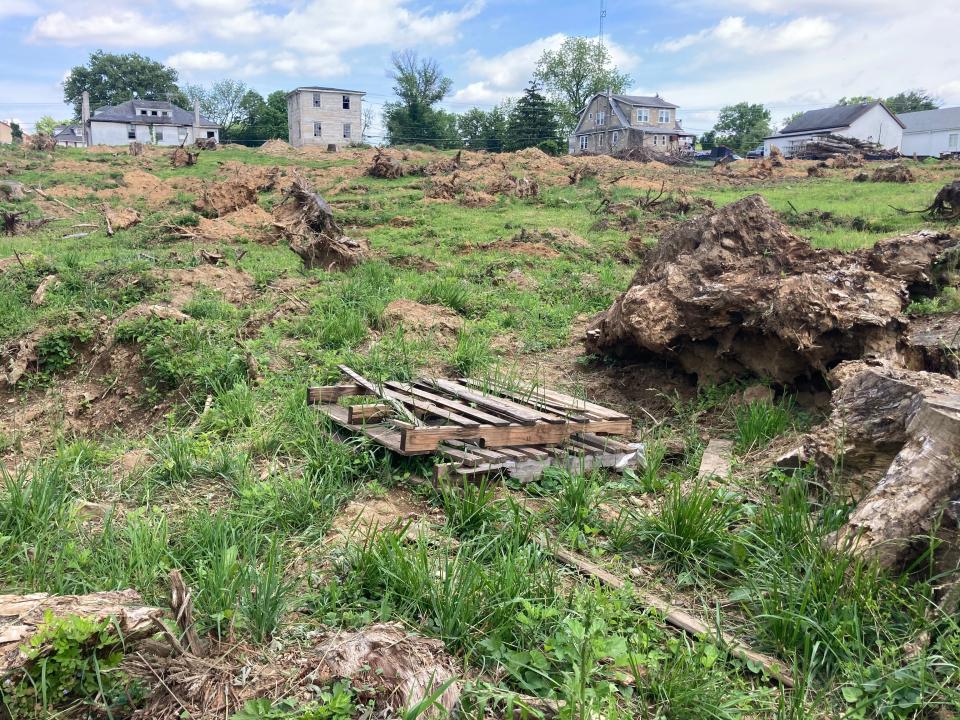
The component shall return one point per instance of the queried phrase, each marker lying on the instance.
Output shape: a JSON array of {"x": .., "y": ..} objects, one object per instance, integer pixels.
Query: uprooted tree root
[
  {"x": 384, "y": 166},
  {"x": 242, "y": 190},
  {"x": 734, "y": 293},
  {"x": 305, "y": 220},
  {"x": 14, "y": 224},
  {"x": 181, "y": 157}
]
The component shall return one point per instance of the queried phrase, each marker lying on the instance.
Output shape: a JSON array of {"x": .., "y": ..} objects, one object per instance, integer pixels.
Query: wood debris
[{"x": 481, "y": 427}]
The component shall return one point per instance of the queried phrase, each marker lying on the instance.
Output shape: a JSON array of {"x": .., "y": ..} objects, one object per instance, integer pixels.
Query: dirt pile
[
  {"x": 385, "y": 166},
  {"x": 120, "y": 219},
  {"x": 892, "y": 173},
  {"x": 181, "y": 157},
  {"x": 276, "y": 147},
  {"x": 422, "y": 320},
  {"x": 521, "y": 187},
  {"x": 241, "y": 190},
  {"x": 305, "y": 221},
  {"x": 893, "y": 433},
  {"x": 734, "y": 293}
]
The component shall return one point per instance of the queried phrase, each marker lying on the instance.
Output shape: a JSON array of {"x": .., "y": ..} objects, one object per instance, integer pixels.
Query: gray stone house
[
  {"x": 324, "y": 116},
  {"x": 610, "y": 123},
  {"x": 69, "y": 136},
  {"x": 156, "y": 122}
]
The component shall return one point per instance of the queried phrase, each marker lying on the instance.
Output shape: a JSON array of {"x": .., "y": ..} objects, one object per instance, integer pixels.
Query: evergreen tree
[{"x": 532, "y": 122}]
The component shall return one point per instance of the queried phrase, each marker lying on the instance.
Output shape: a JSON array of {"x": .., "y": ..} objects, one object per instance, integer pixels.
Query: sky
[{"x": 699, "y": 54}]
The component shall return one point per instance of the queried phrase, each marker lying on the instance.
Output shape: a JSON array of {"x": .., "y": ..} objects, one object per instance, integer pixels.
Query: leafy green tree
[
  {"x": 708, "y": 140},
  {"x": 484, "y": 129},
  {"x": 17, "y": 132},
  {"x": 911, "y": 101},
  {"x": 222, "y": 103},
  {"x": 856, "y": 100},
  {"x": 742, "y": 126},
  {"x": 790, "y": 118},
  {"x": 419, "y": 86},
  {"x": 574, "y": 72},
  {"x": 532, "y": 121},
  {"x": 47, "y": 125},
  {"x": 261, "y": 119},
  {"x": 115, "y": 78}
]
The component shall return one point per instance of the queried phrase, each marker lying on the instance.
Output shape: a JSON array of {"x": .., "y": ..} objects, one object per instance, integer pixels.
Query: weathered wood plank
[
  {"x": 362, "y": 413},
  {"x": 427, "y": 438},
  {"x": 332, "y": 393},
  {"x": 460, "y": 408},
  {"x": 562, "y": 399},
  {"x": 506, "y": 408}
]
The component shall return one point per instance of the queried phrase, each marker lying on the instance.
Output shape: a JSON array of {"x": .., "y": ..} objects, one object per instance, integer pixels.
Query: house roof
[
  {"x": 317, "y": 88},
  {"x": 931, "y": 120},
  {"x": 832, "y": 118},
  {"x": 126, "y": 112},
  {"x": 68, "y": 133},
  {"x": 644, "y": 101}
]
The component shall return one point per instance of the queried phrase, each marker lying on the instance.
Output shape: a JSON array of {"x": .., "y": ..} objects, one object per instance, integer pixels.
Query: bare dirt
[{"x": 422, "y": 320}]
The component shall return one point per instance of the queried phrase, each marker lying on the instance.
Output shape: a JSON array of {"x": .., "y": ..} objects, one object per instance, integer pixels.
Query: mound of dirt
[
  {"x": 181, "y": 157},
  {"x": 476, "y": 199},
  {"x": 225, "y": 197},
  {"x": 120, "y": 219},
  {"x": 419, "y": 319},
  {"x": 521, "y": 187},
  {"x": 734, "y": 293},
  {"x": 525, "y": 242},
  {"x": 892, "y": 173},
  {"x": 251, "y": 216},
  {"x": 140, "y": 185},
  {"x": 235, "y": 285},
  {"x": 276, "y": 147}
]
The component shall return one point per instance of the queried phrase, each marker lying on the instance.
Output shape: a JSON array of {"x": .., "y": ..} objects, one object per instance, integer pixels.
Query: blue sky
[{"x": 699, "y": 54}]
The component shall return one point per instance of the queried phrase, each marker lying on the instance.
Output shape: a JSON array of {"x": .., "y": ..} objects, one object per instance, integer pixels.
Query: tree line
[{"x": 543, "y": 116}]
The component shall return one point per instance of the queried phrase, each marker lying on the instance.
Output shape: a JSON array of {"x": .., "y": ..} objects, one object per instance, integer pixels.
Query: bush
[{"x": 551, "y": 147}]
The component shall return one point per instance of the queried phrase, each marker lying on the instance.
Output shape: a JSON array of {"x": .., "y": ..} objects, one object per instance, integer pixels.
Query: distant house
[
  {"x": 609, "y": 123},
  {"x": 6, "y": 133},
  {"x": 324, "y": 116},
  {"x": 931, "y": 133},
  {"x": 69, "y": 136},
  {"x": 157, "y": 122},
  {"x": 870, "y": 122}
]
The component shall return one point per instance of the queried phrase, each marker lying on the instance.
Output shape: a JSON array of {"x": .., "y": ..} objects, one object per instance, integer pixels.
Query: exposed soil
[{"x": 423, "y": 320}]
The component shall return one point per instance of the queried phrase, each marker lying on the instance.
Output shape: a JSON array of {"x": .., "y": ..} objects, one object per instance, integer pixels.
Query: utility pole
[{"x": 603, "y": 14}]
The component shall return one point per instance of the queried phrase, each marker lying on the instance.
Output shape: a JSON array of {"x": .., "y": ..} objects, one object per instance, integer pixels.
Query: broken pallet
[{"x": 480, "y": 427}]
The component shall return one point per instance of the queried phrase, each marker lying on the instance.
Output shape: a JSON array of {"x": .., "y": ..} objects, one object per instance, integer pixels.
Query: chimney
[{"x": 85, "y": 117}]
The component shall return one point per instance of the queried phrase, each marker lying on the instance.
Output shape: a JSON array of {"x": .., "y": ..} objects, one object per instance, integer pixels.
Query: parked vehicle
[{"x": 757, "y": 152}]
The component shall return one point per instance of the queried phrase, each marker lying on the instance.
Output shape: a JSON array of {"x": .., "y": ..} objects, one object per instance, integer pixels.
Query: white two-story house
[
  {"x": 610, "y": 123},
  {"x": 324, "y": 116}
]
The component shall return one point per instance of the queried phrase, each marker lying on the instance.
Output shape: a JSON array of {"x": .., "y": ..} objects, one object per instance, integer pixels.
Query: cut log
[{"x": 22, "y": 616}]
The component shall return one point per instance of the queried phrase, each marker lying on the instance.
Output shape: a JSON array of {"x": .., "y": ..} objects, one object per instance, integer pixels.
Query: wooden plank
[
  {"x": 460, "y": 408},
  {"x": 517, "y": 413},
  {"x": 416, "y": 439},
  {"x": 675, "y": 616},
  {"x": 568, "y": 401},
  {"x": 382, "y": 434},
  {"x": 332, "y": 393},
  {"x": 547, "y": 408},
  {"x": 408, "y": 405},
  {"x": 717, "y": 459},
  {"x": 361, "y": 413}
]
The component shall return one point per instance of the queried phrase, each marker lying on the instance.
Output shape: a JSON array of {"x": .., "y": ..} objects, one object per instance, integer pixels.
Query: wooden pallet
[{"x": 481, "y": 427}]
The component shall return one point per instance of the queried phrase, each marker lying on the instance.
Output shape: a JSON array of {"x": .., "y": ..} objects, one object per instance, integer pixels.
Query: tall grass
[{"x": 757, "y": 423}]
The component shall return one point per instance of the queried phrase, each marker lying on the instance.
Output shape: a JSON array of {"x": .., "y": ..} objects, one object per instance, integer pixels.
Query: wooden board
[
  {"x": 427, "y": 438},
  {"x": 332, "y": 393}
]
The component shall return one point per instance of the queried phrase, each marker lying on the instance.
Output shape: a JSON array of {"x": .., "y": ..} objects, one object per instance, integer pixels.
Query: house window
[
  {"x": 153, "y": 112},
  {"x": 664, "y": 116},
  {"x": 317, "y": 130},
  {"x": 616, "y": 139},
  {"x": 181, "y": 134},
  {"x": 143, "y": 112},
  {"x": 346, "y": 131},
  {"x": 346, "y": 102},
  {"x": 953, "y": 141},
  {"x": 589, "y": 116},
  {"x": 599, "y": 141},
  {"x": 643, "y": 115},
  {"x": 601, "y": 117},
  {"x": 317, "y": 97},
  {"x": 211, "y": 134},
  {"x": 131, "y": 132},
  {"x": 584, "y": 139}
]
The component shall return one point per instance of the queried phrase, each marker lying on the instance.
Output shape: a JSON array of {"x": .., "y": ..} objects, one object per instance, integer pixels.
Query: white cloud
[
  {"x": 734, "y": 33},
  {"x": 227, "y": 6},
  {"x": 505, "y": 75},
  {"x": 123, "y": 28},
  {"x": 191, "y": 60},
  {"x": 872, "y": 61}
]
